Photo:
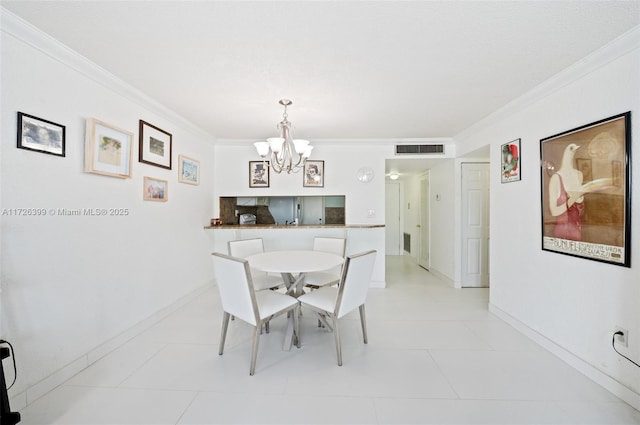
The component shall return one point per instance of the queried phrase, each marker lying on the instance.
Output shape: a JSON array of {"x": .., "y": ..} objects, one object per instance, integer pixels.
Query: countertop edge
[{"x": 301, "y": 226}]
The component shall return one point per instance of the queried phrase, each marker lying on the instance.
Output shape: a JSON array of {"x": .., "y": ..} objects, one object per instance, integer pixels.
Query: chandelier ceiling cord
[{"x": 279, "y": 151}]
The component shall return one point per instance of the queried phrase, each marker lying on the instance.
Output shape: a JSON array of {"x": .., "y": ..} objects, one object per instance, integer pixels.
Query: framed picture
[
  {"x": 155, "y": 146},
  {"x": 510, "y": 159},
  {"x": 258, "y": 173},
  {"x": 313, "y": 174},
  {"x": 36, "y": 134},
  {"x": 188, "y": 170},
  {"x": 107, "y": 149},
  {"x": 155, "y": 190},
  {"x": 586, "y": 198}
]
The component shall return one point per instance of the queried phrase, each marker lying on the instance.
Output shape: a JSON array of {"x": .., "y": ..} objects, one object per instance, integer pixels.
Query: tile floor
[{"x": 435, "y": 356}]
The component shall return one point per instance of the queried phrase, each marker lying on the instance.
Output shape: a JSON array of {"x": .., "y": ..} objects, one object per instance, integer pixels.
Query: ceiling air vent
[{"x": 418, "y": 149}]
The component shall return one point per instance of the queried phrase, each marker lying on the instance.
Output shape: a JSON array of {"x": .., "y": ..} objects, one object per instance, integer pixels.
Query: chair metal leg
[
  {"x": 363, "y": 321},
  {"x": 296, "y": 324},
  {"x": 223, "y": 333},
  {"x": 336, "y": 333},
  {"x": 322, "y": 320},
  {"x": 254, "y": 351}
]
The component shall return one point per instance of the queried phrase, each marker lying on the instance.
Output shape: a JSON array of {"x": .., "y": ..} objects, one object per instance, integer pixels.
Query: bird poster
[
  {"x": 510, "y": 161},
  {"x": 586, "y": 207}
]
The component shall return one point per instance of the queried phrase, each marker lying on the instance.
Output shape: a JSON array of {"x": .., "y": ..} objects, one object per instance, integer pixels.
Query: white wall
[
  {"x": 442, "y": 200},
  {"x": 70, "y": 284},
  {"x": 574, "y": 303},
  {"x": 442, "y": 219},
  {"x": 341, "y": 163}
]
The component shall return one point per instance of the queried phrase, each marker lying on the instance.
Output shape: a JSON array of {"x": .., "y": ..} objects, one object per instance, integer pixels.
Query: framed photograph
[
  {"x": 313, "y": 174},
  {"x": 510, "y": 159},
  {"x": 585, "y": 186},
  {"x": 258, "y": 173},
  {"x": 155, "y": 146},
  {"x": 107, "y": 150},
  {"x": 188, "y": 170},
  {"x": 155, "y": 190},
  {"x": 37, "y": 134}
]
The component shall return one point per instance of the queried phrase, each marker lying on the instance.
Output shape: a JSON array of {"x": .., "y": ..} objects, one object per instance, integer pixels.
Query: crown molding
[
  {"x": 16, "y": 27},
  {"x": 347, "y": 142},
  {"x": 624, "y": 44}
]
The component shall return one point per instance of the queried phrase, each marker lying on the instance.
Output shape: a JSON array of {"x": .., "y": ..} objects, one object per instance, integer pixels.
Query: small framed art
[
  {"x": 510, "y": 159},
  {"x": 188, "y": 170},
  {"x": 37, "y": 134},
  {"x": 313, "y": 174},
  {"x": 155, "y": 146},
  {"x": 155, "y": 190},
  {"x": 258, "y": 173},
  {"x": 107, "y": 150},
  {"x": 586, "y": 191}
]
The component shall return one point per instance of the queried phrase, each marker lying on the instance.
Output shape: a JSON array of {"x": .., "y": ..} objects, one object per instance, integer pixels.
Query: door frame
[{"x": 424, "y": 225}]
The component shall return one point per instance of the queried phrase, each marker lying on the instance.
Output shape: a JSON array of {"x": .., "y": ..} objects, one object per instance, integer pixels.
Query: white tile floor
[{"x": 435, "y": 356}]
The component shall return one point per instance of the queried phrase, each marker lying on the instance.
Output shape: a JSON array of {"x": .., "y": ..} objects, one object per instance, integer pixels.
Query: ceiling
[{"x": 392, "y": 70}]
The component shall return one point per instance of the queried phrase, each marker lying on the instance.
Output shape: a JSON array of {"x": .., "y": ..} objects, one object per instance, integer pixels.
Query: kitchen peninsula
[{"x": 310, "y": 212}]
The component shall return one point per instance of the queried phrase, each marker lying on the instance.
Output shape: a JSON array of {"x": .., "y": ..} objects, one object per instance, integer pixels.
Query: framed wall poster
[
  {"x": 37, "y": 134},
  {"x": 586, "y": 197},
  {"x": 510, "y": 159},
  {"x": 313, "y": 175},
  {"x": 107, "y": 150},
  {"x": 258, "y": 173},
  {"x": 155, "y": 190},
  {"x": 155, "y": 146},
  {"x": 188, "y": 170}
]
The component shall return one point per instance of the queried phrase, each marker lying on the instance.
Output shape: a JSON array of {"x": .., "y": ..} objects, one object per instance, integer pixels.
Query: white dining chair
[
  {"x": 330, "y": 277},
  {"x": 240, "y": 299},
  {"x": 243, "y": 248},
  {"x": 351, "y": 293}
]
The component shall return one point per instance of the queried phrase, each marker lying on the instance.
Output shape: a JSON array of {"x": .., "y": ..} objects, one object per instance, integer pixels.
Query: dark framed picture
[
  {"x": 585, "y": 186},
  {"x": 155, "y": 190},
  {"x": 510, "y": 159},
  {"x": 188, "y": 170},
  {"x": 40, "y": 135},
  {"x": 107, "y": 149},
  {"x": 155, "y": 145},
  {"x": 313, "y": 175},
  {"x": 258, "y": 173}
]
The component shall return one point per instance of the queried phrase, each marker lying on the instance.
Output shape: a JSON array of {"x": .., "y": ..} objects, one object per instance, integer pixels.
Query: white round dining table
[
  {"x": 293, "y": 266},
  {"x": 299, "y": 262},
  {"x": 294, "y": 261}
]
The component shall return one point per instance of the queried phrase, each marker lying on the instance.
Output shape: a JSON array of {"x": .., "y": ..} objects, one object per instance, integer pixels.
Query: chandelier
[{"x": 284, "y": 153}]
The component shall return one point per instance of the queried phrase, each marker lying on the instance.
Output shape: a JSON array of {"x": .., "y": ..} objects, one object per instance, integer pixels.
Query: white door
[
  {"x": 392, "y": 219},
  {"x": 425, "y": 242},
  {"x": 475, "y": 225}
]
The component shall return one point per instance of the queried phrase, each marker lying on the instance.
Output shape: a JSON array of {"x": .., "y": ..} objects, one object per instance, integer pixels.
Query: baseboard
[
  {"x": 378, "y": 284},
  {"x": 604, "y": 380},
  {"x": 446, "y": 279},
  {"x": 21, "y": 400}
]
